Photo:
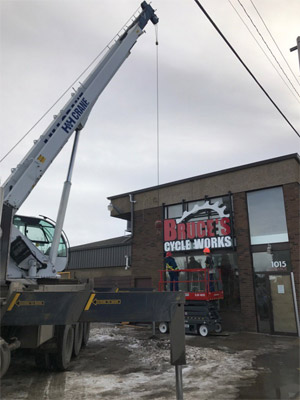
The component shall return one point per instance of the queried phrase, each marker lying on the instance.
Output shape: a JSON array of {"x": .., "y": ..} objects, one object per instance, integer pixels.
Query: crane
[{"x": 38, "y": 310}]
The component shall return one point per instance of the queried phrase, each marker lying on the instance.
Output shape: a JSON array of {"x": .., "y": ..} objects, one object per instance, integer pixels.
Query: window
[
  {"x": 277, "y": 261},
  {"x": 176, "y": 210},
  {"x": 173, "y": 212},
  {"x": 41, "y": 233},
  {"x": 227, "y": 263},
  {"x": 267, "y": 216}
]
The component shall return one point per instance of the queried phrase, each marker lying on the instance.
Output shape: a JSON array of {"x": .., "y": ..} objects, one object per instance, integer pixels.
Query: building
[
  {"x": 106, "y": 262},
  {"x": 248, "y": 216}
]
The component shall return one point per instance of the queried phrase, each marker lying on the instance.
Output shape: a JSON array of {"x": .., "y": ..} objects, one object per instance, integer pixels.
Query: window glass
[
  {"x": 267, "y": 216},
  {"x": 41, "y": 233},
  {"x": 174, "y": 211},
  {"x": 227, "y": 264},
  {"x": 272, "y": 261},
  {"x": 263, "y": 304},
  {"x": 192, "y": 204},
  {"x": 180, "y": 261}
]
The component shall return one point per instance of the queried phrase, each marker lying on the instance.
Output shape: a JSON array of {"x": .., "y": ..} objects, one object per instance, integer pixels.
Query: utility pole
[{"x": 297, "y": 48}]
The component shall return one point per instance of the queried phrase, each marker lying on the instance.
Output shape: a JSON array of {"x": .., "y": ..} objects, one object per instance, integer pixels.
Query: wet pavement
[
  {"x": 128, "y": 363},
  {"x": 277, "y": 363}
]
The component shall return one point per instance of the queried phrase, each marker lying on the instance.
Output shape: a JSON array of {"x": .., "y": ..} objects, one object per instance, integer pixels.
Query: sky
[{"x": 211, "y": 114}]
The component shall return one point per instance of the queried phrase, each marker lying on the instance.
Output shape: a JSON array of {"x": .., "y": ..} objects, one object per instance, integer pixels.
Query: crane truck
[{"x": 39, "y": 309}]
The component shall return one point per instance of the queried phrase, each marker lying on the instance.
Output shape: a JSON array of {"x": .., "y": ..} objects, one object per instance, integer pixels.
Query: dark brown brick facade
[
  {"x": 291, "y": 200},
  {"x": 147, "y": 246},
  {"x": 244, "y": 258},
  {"x": 147, "y": 249}
]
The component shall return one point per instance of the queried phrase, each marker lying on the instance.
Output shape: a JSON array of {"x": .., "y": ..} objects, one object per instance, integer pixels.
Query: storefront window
[
  {"x": 207, "y": 212},
  {"x": 275, "y": 261},
  {"x": 173, "y": 211},
  {"x": 267, "y": 216},
  {"x": 227, "y": 263},
  {"x": 192, "y": 204}
]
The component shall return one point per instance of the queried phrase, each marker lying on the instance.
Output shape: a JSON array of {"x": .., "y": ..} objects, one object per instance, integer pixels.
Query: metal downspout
[{"x": 132, "y": 201}]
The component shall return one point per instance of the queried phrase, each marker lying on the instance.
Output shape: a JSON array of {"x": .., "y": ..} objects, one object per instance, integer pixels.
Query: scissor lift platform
[{"x": 202, "y": 288}]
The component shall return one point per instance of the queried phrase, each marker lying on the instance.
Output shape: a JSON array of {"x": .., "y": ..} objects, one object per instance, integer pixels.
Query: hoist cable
[
  {"x": 244, "y": 65},
  {"x": 157, "y": 110}
]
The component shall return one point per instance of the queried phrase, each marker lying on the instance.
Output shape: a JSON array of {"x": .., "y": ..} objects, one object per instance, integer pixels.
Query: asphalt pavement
[
  {"x": 277, "y": 363},
  {"x": 129, "y": 363}
]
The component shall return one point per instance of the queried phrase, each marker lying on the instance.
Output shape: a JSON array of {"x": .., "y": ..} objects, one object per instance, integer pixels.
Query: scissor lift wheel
[
  {"x": 203, "y": 330},
  {"x": 163, "y": 327}
]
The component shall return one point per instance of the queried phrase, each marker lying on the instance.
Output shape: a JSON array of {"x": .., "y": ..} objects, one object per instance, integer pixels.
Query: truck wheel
[
  {"x": 86, "y": 333},
  {"x": 65, "y": 341},
  {"x": 163, "y": 327},
  {"x": 4, "y": 357},
  {"x": 203, "y": 330},
  {"x": 218, "y": 327},
  {"x": 78, "y": 335}
]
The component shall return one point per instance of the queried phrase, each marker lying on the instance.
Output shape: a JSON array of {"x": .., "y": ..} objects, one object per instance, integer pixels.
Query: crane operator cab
[{"x": 30, "y": 248}]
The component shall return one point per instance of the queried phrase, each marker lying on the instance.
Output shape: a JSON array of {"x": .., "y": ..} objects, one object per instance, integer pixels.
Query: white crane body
[{"x": 52, "y": 315}]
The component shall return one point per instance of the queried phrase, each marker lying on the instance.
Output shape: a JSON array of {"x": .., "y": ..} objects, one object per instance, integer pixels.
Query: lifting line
[{"x": 157, "y": 112}]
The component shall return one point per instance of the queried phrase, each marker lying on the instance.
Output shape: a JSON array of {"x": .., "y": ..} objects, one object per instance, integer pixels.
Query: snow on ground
[
  {"x": 209, "y": 373},
  {"x": 125, "y": 363}
]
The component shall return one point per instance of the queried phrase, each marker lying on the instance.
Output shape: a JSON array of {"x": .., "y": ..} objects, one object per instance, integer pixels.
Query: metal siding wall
[{"x": 99, "y": 257}]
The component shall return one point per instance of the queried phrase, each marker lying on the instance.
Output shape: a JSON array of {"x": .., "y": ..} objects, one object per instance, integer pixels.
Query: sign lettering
[{"x": 75, "y": 115}]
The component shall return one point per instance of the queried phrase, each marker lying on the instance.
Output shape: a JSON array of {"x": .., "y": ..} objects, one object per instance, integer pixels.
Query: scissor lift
[{"x": 202, "y": 288}]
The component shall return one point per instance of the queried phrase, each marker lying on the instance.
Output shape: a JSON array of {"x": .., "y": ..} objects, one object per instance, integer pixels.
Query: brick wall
[
  {"x": 244, "y": 258},
  {"x": 291, "y": 200},
  {"x": 147, "y": 247}
]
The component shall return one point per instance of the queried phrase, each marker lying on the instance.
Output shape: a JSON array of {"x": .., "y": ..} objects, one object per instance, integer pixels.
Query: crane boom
[
  {"x": 39, "y": 311},
  {"x": 19, "y": 256},
  {"x": 74, "y": 114}
]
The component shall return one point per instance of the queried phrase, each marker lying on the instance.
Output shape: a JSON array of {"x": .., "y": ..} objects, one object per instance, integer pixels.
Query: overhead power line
[
  {"x": 275, "y": 42},
  {"x": 262, "y": 49},
  {"x": 263, "y": 39},
  {"x": 244, "y": 65}
]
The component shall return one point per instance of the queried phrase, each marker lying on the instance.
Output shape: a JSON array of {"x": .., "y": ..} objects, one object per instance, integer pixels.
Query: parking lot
[{"x": 128, "y": 362}]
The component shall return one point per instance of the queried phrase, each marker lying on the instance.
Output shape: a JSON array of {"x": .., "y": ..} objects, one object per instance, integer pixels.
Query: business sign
[{"x": 181, "y": 235}]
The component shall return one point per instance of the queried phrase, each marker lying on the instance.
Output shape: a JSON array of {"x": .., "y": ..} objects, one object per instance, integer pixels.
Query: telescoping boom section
[
  {"x": 38, "y": 310},
  {"x": 74, "y": 114},
  {"x": 26, "y": 175}
]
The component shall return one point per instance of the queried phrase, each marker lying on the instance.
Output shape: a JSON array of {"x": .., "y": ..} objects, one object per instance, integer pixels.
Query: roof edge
[{"x": 210, "y": 174}]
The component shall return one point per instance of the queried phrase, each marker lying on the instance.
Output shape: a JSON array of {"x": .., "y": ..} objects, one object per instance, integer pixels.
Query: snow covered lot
[{"x": 126, "y": 362}]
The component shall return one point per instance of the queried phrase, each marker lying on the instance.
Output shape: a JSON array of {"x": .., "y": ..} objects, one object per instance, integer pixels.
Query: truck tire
[
  {"x": 4, "y": 357},
  {"x": 163, "y": 327},
  {"x": 86, "y": 333},
  {"x": 203, "y": 330},
  {"x": 65, "y": 342},
  {"x": 78, "y": 336}
]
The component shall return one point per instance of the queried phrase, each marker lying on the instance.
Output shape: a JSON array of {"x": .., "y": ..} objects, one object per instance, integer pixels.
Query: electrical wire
[
  {"x": 262, "y": 49},
  {"x": 244, "y": 65},
  {"x": 72, "y": 84},
  {"x": 263, "y": 39},
  {"x": 275, "y": 42}
]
